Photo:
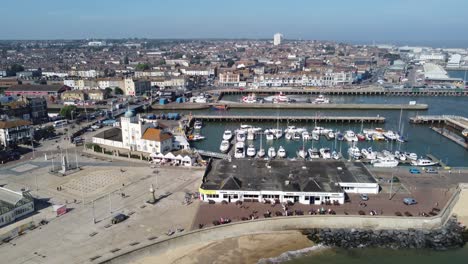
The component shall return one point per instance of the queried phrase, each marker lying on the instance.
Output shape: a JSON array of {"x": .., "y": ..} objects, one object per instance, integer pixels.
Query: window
[
  {"x": 250, "y": 196},
  {"x": 212, "y": 196},
  {"x": 307, "y": 198},
  {"x": 327, "y": 197},
  {"x": 270, "y": 196}
]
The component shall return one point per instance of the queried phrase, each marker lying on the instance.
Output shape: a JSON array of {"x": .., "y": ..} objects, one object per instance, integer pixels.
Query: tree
[
  {"x": 230, "y": 63},
  {"x": 108, "y": 91},
  {"x": 118, "y": 91},
  {"x": 142, "y": 67},
  {"x": 67, "y": 110},
  {"x": 13, "y": 69}
]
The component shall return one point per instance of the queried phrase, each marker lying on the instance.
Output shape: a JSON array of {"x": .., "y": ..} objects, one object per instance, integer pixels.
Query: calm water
[
  {"x": 384, "y": 256},
  {"x": 422, "y": 140}
]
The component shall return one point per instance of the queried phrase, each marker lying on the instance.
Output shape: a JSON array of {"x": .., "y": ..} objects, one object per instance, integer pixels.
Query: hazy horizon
[{"x": 417, "y": 22}]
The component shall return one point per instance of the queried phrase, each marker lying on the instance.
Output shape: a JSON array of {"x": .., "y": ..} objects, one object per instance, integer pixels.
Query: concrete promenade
[{"x": 283, "y": 224}]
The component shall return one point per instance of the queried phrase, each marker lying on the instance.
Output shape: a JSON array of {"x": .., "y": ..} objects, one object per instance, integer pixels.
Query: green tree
[
  {"x": 230, "y": 63},
  {"x": 108, "y": 91},
  {"x": 13, "y": 69},
  {"x": 143, "y": 67},
  {"x": 118, "y": 91},
  {"x": 67, "y": 110}
]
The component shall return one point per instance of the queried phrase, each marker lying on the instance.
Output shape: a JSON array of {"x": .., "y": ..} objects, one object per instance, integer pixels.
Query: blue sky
[{"x": 344, "y": 20}]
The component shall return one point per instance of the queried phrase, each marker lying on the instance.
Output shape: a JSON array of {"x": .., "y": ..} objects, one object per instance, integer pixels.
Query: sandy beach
[{"x": 244, "y": 249}]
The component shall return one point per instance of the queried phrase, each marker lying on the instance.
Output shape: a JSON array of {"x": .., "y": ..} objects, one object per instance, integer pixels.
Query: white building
[
  {"x": 136, "y": 87},
  {"x": 136, "y": 135},
  {"x": 15, "y": 132},
  {"x": 277, "y": 39},
  {"x": 454, "y": 61},
  {"x": 14, "y": 205},
  {"x": 96, "y": 43},
  {"x": 305, "y": 182}
]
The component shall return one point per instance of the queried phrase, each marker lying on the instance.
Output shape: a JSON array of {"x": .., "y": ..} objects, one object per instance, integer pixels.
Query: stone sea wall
[{"x": 451, "y": 235}]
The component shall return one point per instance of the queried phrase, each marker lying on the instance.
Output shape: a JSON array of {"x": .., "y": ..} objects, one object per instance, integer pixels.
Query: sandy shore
[
  {"x": 460, "y": 209},
  {"x": 244, "y": 249}
]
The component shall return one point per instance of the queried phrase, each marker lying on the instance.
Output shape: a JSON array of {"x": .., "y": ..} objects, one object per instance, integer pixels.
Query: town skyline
[{"x": 388, "y": 22}]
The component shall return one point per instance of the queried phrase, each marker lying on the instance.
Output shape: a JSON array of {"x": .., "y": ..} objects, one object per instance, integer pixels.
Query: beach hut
[{"x": 187, "y": 161}]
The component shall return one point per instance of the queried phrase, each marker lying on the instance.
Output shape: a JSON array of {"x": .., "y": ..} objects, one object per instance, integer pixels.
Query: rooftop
[
  {"x": 283, "y": 175},
  {"x": 155, "y": 134},
  {"x": 13, "y": 123},
  {"x": 114, "y": 134}
]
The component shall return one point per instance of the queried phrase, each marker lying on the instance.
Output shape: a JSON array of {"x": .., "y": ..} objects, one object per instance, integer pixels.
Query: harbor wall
[{"x": 149, "y": 248}]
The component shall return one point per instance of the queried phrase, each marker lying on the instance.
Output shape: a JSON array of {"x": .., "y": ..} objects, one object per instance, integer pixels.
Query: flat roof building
[
  {"x": 14, "y": 205},
  {"x": 306, "y": 182}
]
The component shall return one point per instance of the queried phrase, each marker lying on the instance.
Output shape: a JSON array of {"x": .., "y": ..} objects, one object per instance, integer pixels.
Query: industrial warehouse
[{"x": 306, "y": 182}]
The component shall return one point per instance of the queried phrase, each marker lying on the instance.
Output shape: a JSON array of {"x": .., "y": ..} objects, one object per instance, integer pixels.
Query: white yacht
[
  {"x": 321, "y": 100},
  {"x": 318, "y": 130},
  {"x": 354, "y": 153},
  {"x": 249, "y": 99},
  {"x": 411, "y": 156},
  {"x": 278, "y": 133},
  {"x": 385, "y": 163},
  {"x": 325, "y": 153},
  {"x": 296, "y": 136},
  {"x": 224, "y": 147},
  {"x": 239, "y": 152},
  {"x": 196, "y": 137},
  {"x": 350, "y": 136},
  {"x": 261, "y": 153},
  {"x": 305, "y": 135},
  {"x": 240, "y": 136},
  {"x": 288, "y": 136},
  {"x": 250, "y": 135},
  {"x": 251, "y": 152},
  {"x": 271, "y": 152},
  {"x": 314, "y": 153},
  {"x": 290, "y": 129},
  {"x": 227, "y": 135},
  {"x": 423, "y": 162},
  {"x": 302, "y": 153},
  {"x": 389, "y": 135},
  {"x": 269, "y": 135},
  {"x": 368, "y": 154},
  {"x": 281, "y": 152},
  {"x": 198, "y": 124},
  {"x": 315, "y": 136},
  {"x": 331, "y": 135},
  {"x": 336, "y": 155}
]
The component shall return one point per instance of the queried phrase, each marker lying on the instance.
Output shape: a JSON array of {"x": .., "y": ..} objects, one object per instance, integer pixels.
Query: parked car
[
  {"x": 118, "y": 218},
  {"x": 414, "y": 171},
  {"x": 431, "y": 170},
  {"x": 364, "y": 197},
  {"x": 409, "y": 201},
  {"x": 97, "y": 126}
]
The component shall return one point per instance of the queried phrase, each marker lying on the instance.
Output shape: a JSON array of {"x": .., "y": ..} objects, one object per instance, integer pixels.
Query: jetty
[
  {"x": 213, "y": 154},
  {"x": 236, "y": 105},
  {"x": 457, "y": 122},
  {"x": 272, "y": 118},
  {"x": 371, "y": 91}
]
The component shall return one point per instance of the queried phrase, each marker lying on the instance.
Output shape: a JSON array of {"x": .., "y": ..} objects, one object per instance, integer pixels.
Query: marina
[{"x": 421, "y": 139}]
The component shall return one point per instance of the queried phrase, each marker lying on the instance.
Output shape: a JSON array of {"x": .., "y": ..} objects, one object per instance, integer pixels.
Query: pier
[
  {"x": 373, "y": 91},
  {"x": 272, "y": 118},
  {"x": 213, "y": 154},
  {"x": 452, "y": 136},
  {"x": 235, "y": 105},
  {"x": 457, "y": 122}
]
